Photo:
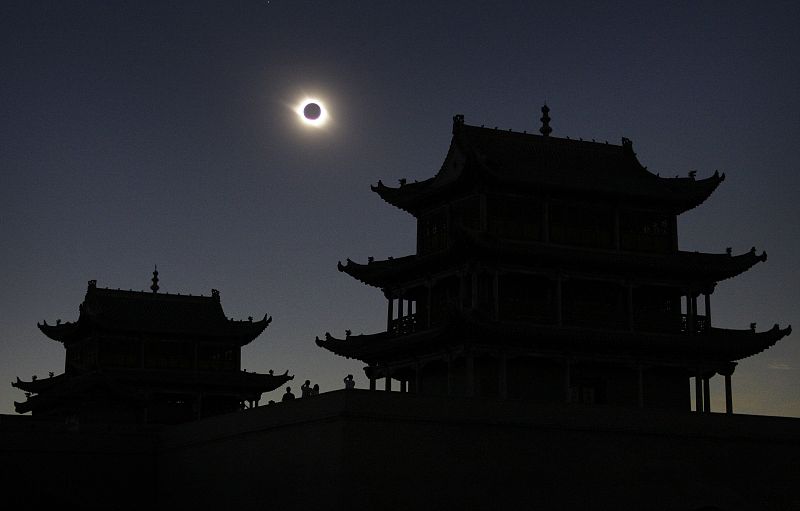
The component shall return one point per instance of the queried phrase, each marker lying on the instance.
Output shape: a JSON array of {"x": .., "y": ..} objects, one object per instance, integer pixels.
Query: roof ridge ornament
[
  {"x": 154, "y": 287},
  {"x": 458, "y": 121},
  {"x": 627, "y": 147},
  {"x": 545, "y": 130}
]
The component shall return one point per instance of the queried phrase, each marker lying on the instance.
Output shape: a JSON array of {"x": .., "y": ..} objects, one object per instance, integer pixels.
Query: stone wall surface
[{"x": 361, "y": 450}]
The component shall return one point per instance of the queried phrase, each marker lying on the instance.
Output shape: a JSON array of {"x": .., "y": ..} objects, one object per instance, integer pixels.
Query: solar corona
[{"x": 312, "y": 112}]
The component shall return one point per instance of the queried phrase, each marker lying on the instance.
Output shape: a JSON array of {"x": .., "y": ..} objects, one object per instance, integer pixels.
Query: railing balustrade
[{"x": 404, "y": 325}]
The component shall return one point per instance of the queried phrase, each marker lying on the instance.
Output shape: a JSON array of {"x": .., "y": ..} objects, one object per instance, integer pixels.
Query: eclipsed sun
[{"x": 312, "y": 112}]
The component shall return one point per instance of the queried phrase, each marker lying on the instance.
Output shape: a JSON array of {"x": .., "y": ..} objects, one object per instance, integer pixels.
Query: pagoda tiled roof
[
  {"x": 547, "y": 164},
  {"x": 715, "y": 345},
  {"x": 131, "y": 383},
  {"x": 680, "y": 265},
  {"x": 134, "y": 312}
]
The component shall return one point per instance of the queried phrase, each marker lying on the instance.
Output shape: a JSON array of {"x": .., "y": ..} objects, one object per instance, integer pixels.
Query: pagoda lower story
[{"x": 469, "y": 357}]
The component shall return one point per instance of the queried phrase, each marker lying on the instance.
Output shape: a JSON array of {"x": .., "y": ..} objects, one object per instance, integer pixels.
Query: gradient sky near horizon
[{"x": 164, "y": 132}]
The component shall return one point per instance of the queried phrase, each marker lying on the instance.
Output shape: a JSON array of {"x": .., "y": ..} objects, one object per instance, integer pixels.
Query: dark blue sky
[{"x": 142, "y": 133}]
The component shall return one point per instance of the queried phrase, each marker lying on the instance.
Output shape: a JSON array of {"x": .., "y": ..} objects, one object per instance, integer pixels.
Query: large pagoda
[
  {"x": 548, "y": 269},
  {"x": 139, "y": 357}
]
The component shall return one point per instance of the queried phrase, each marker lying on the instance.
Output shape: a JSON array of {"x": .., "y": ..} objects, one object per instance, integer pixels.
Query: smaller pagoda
[{"x": 148, "y": 358}]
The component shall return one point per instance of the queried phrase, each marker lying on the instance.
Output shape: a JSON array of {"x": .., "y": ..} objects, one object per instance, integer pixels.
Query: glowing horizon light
[{"x": 314, "y": 122}]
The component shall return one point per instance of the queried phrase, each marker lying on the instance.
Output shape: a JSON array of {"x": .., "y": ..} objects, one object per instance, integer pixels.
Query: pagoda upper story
[
  {"x": 538, "y": 246},
  {"x": 528, "y": 187},
  {"x": 135, "y": 356}
]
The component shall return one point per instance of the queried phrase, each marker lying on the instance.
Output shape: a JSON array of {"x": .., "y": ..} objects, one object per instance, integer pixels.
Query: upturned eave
[
  {"x": 481, "y": 157},
  {"x": 715, "y": 345},
  {"x": 681, "y": 266}
]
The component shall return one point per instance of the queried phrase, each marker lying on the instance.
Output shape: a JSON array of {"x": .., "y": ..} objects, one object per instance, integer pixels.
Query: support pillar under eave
[
  {"x": 727, "y": 372},
  {"x": 707, "y": 394},
  {"x": 728, "y": 395},
  {"x": 372, "y": 383},
  {"x": 698, "y": 393},
  {"x": 389, "y": 315}
]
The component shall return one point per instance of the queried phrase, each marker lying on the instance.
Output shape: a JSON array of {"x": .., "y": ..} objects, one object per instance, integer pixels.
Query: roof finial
[
  {"x": 545, "y": 130},
  {"x": 154, "y": 287},
  {"x": 458, "y": 121}
]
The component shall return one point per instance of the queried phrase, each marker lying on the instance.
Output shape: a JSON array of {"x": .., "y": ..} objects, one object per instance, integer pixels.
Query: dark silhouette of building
[
  {"x": 155, "y": 358},
  {"x": 548, "y": 269},
  {"x": 547, "y": 276}
]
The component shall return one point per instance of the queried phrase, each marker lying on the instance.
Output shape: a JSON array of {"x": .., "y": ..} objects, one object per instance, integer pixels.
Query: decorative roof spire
[
  {"x": 154, "y": 287},
  {"x": 458, "y": 121},
  {"x": 545, "y": 130}
]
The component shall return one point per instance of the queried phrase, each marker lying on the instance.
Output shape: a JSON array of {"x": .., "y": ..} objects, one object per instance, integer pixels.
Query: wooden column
[
  {"x": 388, "y": 386},
  {"x": 728, "y": 395},
  {"x": 727, "y": 372},
  {"x": 616, "y": 229},
  {"x": 708, "y": 309},
  {"x": 371, "y": 383},
  {"x": 390, "y": 314},
  {"x": 689, "y": 314},
  {"x": 698, "y": 394},
  {"x": 706, "y": 395}
]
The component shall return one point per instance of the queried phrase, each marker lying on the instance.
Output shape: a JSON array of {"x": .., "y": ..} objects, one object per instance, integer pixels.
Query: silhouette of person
[
  {"x": 315, "y": 390},
  {"x": 305, "y": 389},
  {"x": 348, "y": 382},
  {"x": 288, "y": 396}
]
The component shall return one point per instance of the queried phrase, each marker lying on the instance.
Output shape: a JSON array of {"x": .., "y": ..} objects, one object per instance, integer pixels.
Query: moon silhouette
[{"x": 312, "y": 111}]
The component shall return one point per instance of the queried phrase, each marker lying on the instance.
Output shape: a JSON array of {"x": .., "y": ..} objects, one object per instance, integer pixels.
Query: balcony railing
[
  {"x": 700, "y": 324},
  {"x": 403, "y": 326}
]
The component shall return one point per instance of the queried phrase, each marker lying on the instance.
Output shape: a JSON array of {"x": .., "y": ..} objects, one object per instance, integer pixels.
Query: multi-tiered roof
[
  {"x": 136, "y": 350},
  {"x": 511, "y": 215}
]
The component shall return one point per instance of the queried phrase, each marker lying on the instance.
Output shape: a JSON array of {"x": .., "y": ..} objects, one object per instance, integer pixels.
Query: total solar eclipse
[{"x": 312, "y": 112}]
